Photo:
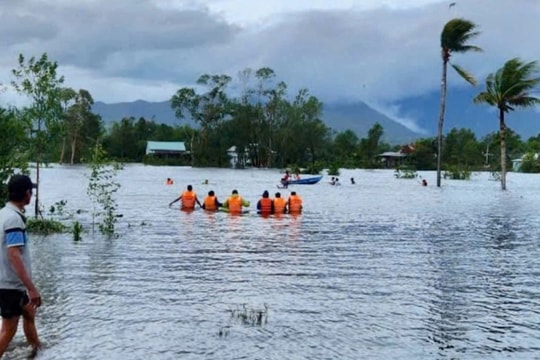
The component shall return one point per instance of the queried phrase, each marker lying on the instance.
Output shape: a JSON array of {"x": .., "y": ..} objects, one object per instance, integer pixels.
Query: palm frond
[
  {"x": 464, "y": 74},
  {"x": 467, "y": 48},
  {"x": 456, "y": 33},
  {"x": 485, "y": 97}
]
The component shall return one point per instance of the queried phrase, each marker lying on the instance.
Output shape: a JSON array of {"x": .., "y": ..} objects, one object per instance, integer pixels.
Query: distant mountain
[
  {"x": 461, "y": 112},
  {"x": 357, "y": 117}
]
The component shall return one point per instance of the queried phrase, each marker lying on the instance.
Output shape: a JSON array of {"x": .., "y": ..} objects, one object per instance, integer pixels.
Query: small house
[{"x": 166, "y": 149}]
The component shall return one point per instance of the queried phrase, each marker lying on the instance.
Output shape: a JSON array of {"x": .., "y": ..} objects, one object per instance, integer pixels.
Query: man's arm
[
  {"x": 15, "y": 258},
  {"x": 175, "y": 200}
]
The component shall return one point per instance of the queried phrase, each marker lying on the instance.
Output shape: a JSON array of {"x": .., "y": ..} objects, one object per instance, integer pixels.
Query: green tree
[
  {"x": 461, "y": 149},
  {"x": 14, "y": 153},
  {"x": 38, "y": 79},
  {"x": 454, "y": 39},
  {"x": 510, "y": 87},
  {"x": 208, "y": 110},
  {"x": 345, "y": 147},
  {"x": 370, "y": 147}
]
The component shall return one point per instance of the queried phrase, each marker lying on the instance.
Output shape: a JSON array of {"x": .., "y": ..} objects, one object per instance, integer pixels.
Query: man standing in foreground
[{"x": 18, "y": 294}]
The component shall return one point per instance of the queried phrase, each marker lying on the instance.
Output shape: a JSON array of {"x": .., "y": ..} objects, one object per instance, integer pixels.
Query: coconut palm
[
  {"x": 454, "y": 39},
  {"x": 508, "y": 88}
]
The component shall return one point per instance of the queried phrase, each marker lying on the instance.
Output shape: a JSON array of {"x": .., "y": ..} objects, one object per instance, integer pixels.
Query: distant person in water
[
  {"x": 333, "y": 181},
  {"x": 294, "y": 203},
  {"x": 170, "y": 181},
  {"x": 211, "y": 202},
  {"x": 285, "y": 179},
  {"x": 205, "y": 182},
  {"x": 188, "y": 199},
  {"x": 280, "y": 204},
  {"x": 424, "y": 182},
  {"x": 235, "y": 203},
  {"x": 352, "y": 181},
  {"x": 265, "y": 206}
]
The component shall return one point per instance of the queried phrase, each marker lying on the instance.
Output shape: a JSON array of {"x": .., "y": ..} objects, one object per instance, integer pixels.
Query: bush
[
  {"x": 457, "y": 173},
  {"x": 44, "y": 226},
  {"x": 405, "y": 172}
]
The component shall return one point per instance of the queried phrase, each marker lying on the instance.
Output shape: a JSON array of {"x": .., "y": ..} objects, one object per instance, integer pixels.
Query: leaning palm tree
[
  {"x": 454, "y": 37},
  {"x": 510, "y": 87}
]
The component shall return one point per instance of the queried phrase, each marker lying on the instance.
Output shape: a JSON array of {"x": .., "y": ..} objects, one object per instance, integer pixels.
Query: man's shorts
[{"x": 12, "y": 302}]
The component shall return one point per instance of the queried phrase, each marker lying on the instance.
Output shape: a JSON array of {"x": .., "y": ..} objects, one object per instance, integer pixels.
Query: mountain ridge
[{"x": 357, "y": 117}]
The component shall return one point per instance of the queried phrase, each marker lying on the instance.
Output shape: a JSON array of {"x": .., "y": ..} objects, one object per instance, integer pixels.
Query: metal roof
[{"x": 165, "y": 146}]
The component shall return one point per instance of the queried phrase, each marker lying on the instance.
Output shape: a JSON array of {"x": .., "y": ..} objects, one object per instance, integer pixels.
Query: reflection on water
[{"x": 383, "y": 269}]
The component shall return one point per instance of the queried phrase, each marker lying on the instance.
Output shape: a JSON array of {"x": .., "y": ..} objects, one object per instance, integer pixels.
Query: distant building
[
  {"x": 166, "y": 149},
  {"x": 516, "y": 163},
  {"x": 392, "y": 159}
]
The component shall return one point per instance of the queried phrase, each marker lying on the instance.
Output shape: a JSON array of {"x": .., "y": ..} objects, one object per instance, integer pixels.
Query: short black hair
[
  {"x": 293, "y": 192},
  {"x": 189, "y": 187},
  {"x": 265, "y": 194},
  {"x": 18, "y": 185},
  {"x": 235, "y": 191},
  {"x": 211, "y": 193},
  {"x": 278, "y": 194}
]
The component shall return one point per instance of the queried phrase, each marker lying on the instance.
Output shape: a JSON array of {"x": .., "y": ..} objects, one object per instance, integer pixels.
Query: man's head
[
  {"x": 189, "y": 188},
  {"x": 278, "y": 194},
  {"x": 20, "y": 188},
  {"x": 211, "y": 193},
  {"x": 265, "y": 194},
  {"x": 293, "y": 193},
  {"x": 235, "y": 192}
]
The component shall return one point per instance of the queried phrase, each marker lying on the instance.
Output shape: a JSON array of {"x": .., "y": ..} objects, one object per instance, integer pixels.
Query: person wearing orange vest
[
  {"x": 188, "y": 198},
  {"x": 211, "y": 202},
  {"x": 280, "y": 204},
  {"x": 265, "y": 205},
  {"x": 235, "y": 203},
  {"x": 294, "y": 203}
]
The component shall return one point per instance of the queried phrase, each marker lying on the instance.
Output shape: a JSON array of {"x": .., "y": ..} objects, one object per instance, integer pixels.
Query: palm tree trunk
[
  {"x": 503, "y": 148},
  {"x": 441, "y": 119}
]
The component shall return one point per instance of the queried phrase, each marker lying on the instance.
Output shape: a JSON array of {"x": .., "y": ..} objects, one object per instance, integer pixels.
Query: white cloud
[{"x": 371, "y": 50}]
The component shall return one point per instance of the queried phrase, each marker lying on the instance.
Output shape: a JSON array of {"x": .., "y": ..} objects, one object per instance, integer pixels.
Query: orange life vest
[
  {"x": 235, "y": 204},
  {"x": 210, "y": 203},
  {"x": 266, "y": 206},
  {"x": 279, "y": 205},
  {"x": 295, "y": 204},
  {"x": 188, "y": 200}
]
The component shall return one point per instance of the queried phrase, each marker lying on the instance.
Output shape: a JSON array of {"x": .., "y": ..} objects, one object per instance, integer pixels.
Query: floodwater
[{"x": 383, "y": 269}]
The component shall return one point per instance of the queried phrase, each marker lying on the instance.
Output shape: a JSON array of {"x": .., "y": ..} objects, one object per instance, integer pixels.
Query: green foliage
[
  {"x": 455, "y": 38},
  {"x": 101, "y": 189},
  {"x": 457, "y": 173},
  {"x": 38, "y": 80},
  {"x": 405, "y": 172},
  {"x": 14, "y": 152},
  {"x": 77, "y": 230},
  {"x": 44, "y": 226},
  {"x": 314, "y": 168},
  {"x": 509, "y": 87},
  {"x": 333, "y": 169},
  {"x": 530, "y": 164}
]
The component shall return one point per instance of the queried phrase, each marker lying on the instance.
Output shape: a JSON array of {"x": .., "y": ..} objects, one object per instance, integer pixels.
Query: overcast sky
[{"x": 378, "y": 51}]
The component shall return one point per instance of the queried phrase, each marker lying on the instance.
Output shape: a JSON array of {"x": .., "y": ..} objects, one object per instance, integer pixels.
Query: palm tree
[
  {"x": 510, "y": 87},
  {"x": 454, "y": 37}
]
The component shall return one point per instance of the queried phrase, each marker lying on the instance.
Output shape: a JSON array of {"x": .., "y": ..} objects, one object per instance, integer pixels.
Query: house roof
[
  {"x": 392, "y": 154},
  {"x": 165, "y": 146}
]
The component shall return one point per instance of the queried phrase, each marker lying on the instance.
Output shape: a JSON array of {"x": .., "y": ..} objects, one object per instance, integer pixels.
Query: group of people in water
[{"x": 235, "y": 203}]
